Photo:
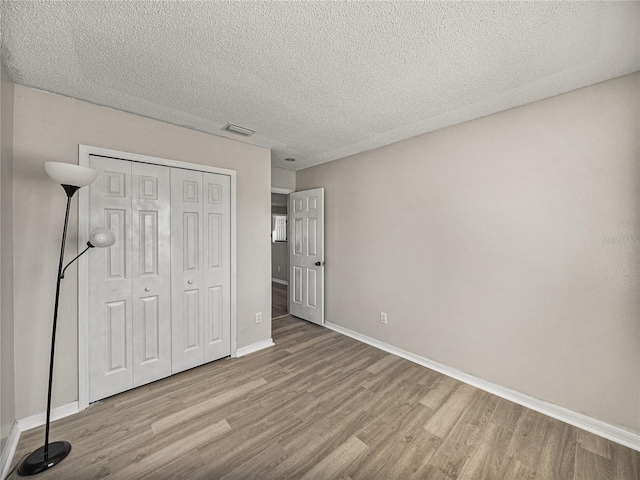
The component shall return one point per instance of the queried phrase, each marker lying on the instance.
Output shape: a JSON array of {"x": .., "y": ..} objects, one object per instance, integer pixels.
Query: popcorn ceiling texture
[{"x": 317, "y": 80}]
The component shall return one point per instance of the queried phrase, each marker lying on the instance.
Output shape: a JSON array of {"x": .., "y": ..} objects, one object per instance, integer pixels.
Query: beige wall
[
  {"x": 7, "y": 366},
  {"x": 50, "y": 127},
  {"x": 281, "y": 178},
  {"x": 506, "y": 247}
]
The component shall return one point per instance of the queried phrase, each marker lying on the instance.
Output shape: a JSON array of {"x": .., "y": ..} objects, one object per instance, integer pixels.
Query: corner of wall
[{"x": 7, "y": 362}]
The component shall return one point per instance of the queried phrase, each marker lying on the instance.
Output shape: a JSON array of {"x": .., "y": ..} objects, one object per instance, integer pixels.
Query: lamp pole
[
  {"x": 72, "y": 178},
  {"x": 70, "y": 191},
  {"x": 51, "y": 454}
]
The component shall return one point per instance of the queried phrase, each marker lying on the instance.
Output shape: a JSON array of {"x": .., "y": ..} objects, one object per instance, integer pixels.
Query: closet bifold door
[
  {"x": 110, "y": 284},
  {"x": 151, "y": 270},
  {"x": 217, "y": 265},
  {"x": 201, "y": 267},
  {"x": 186, "y": 269},
  {"x": 130, "y": 282},
  {"x": 160, "y": 297}
]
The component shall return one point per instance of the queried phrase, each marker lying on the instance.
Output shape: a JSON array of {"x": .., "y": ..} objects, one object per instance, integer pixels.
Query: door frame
[
  {"x": 283, "y": 191},
  {"x": 84, "y": 151}
]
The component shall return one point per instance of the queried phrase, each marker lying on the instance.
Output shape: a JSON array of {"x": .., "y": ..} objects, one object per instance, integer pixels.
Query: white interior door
[
  {"x": 186, "y": 269},
  {"x": 216, "y": 193},
  {"x": 110, "y": 284},
  {"x": 130, "y": 290},
  {"x": 161, "y": 299},
  {"x": 151, "y": 268},
  {"x": 306, "y": 255}
]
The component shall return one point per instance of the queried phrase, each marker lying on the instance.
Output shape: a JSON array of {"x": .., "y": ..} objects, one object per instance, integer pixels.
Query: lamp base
[{"x": 35, "y": 462}]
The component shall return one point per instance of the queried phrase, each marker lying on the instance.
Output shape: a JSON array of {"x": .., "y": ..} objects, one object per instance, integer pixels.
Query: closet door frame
[{"x": 84, "y": 151}]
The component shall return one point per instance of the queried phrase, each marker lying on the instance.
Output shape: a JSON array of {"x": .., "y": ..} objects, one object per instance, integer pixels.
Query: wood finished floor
[
  {"x": 320, "y": 405},
  {"x": 279, "y": 300}
]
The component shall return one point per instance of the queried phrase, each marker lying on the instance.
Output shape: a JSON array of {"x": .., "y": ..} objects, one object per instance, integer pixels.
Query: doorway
[{"x": 279, "y": 255}]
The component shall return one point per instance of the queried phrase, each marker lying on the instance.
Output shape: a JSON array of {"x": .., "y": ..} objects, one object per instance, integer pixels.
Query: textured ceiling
[{"x": 317, "y": 80}]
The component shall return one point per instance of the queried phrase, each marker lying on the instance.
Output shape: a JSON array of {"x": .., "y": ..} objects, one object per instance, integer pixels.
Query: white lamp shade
[
  {"x": 69, "y": 174},
  {"x": 102, "y": 237}
]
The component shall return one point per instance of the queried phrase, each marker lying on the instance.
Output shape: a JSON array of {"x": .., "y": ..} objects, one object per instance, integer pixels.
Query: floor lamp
[{"x": 72, "y": 178}]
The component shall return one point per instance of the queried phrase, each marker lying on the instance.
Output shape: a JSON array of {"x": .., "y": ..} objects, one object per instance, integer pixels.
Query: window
[{"x": 279, "y": 227}]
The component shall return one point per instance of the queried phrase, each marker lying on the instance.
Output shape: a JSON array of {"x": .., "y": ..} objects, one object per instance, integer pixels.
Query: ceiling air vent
[{"x": 245, "y": 132}]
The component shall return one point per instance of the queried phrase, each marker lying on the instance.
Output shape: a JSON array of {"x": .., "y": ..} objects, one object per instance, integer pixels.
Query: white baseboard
[
  {"x": 597, "y": 427},
  {"x": 241, "y": 352},
  {"x": 40, "y": 418},
  {"x": 9, "y": 451},
  {"x": 277, "y": 280}
]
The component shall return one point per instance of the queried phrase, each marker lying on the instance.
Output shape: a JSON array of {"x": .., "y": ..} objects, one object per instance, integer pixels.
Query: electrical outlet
[
  {"x": 383, "y": 318},
  {"x": 259, "y": 317},
  {"x": 278, "y": 268}
]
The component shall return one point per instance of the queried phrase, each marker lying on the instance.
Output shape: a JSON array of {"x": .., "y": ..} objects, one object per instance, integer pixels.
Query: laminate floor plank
[
  {"x": 334, "y": 464},
  {"x": 389, "y": 445},
  {"x": 383, "y": 363},
  {"x": 197, "y": 410},
  {"x": 237, "y": 453},
  {"x": 527, "y": 441},
  {"x": 507, "y": 414},
  {"x": 173, "y": 451},
  {"x": 598, "y": 445},
  {"x": 558, "y": 453},
  {"x": 279, "y": 300},
  {"x": 449, "y": 413},
  {"x": 186, "y": 468},
  {"x": 325, "y": 338},
  {"x": 488, "y": 459},
  {"x": 439, "y": 393},
  {"x": 591, "y": 466},
  {"x": 256, "y": 466},
  {"x": 321, "y": 405},
  {"x": 626, "y": 462},
  {"x": 514, "y": 470},
  {"x": 466, "y": 434},
  {"x": 241, "y": 446},
  {"x": 320, "y": 443},
  {"x": 414, "y": 461}
]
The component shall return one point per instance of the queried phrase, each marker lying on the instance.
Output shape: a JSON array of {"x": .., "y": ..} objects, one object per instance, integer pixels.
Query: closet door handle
[
  {"x": 148, "y": 289},
  {"x": 189, "y": 282}
]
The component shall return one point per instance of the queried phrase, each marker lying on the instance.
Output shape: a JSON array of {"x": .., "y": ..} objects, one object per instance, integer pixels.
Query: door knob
[
  {"x": 319, "y": 264},
  {"x": 189, "y": 282},
  {"x": 148, "y": 289}
]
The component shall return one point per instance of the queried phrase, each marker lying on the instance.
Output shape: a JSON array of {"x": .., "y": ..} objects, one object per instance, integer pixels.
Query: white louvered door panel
[
  {"x": 110, "y": 298},
  {"x": 187, "y": 280},
  {"x": 151, "y": 234},
  {"x": 306, "y": 255},
  {"x": 216, "y": 194}
]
